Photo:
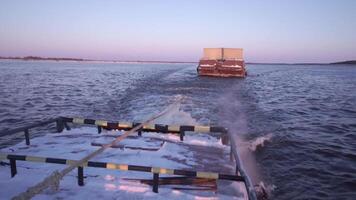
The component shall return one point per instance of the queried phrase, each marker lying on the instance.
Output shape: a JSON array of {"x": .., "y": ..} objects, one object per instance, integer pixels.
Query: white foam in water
[
  {"x": 260, "y": 142},
  {"x": 176, "y": 116},
  {"x": 246, "y": 151},
  {"x": 264, "y": 190}
]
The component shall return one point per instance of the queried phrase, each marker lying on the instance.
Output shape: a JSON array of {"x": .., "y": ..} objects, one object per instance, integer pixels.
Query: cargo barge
[{"x": 222, "y": 62}]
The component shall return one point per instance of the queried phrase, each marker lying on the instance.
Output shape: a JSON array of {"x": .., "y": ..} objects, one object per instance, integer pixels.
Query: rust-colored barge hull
[{"x": 222, "y": 62}]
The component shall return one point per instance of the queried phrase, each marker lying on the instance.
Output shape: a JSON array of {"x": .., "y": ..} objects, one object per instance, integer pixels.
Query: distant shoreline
[
  {"x": 37, "y": 58},
  {"x": 349, "y": 62}
]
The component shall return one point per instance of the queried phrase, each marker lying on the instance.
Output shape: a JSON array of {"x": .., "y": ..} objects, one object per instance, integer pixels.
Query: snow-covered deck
[{"x": 198, "y": 152}]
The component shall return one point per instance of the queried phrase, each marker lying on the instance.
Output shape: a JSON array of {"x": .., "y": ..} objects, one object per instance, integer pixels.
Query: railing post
[
  {"x": 181, "y": 134},
  {"x": 59, "y": 125},
  {"x": 67, "y": 126},
  {"x": 13, "y": 167},
  {"x": 80, "y": 176},
  {"x": 27, "y": 136},
  {"x": 99, "y": 129},
  {"x": 155, "y": 182},
  {"x": 231, "y": 154},
  {"x": 224, "y": 139}
]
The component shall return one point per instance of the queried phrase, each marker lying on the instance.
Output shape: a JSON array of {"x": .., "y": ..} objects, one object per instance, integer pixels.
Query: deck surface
[{"x": 199, "y": 152}]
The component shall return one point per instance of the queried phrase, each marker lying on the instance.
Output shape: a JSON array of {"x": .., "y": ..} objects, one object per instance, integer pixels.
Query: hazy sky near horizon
[{"x": 269, "y": 31}]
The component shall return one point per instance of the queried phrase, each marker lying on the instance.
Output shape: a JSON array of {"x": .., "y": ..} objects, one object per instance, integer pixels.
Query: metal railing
[
  {"x": 155, "y": 170},
  {"x": 62, "y": 122}
]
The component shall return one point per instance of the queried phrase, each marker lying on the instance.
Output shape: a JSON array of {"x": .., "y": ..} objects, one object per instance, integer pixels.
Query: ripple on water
[{"x": 309, "y": 110}]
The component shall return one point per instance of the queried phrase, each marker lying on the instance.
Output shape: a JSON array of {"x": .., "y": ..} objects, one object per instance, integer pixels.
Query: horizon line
[{"x": 39, "y": 58}]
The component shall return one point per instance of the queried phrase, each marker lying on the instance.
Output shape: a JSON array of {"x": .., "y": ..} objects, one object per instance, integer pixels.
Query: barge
[{"x": 222, "y": 62}]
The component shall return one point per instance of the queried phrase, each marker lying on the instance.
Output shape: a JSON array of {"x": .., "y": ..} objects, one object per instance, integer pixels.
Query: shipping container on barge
[{"x": 222, "y": 62}]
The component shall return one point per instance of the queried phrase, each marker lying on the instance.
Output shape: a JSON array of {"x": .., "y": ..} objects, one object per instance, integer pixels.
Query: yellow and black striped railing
[
  {"x": 155, "y": 170},
  {"x": 60, "y": 125},
  {"x": 150, "y": 127},
  {"x": 62, "y": 122},
  {"x": 159, "y": 128}
]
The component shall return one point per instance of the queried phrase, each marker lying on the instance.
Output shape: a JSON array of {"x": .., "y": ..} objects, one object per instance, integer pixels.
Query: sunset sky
[{"x": 269, "y": 31}]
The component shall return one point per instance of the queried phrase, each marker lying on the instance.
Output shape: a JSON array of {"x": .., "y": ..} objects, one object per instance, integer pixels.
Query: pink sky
[{"x": 273, "y": 31}]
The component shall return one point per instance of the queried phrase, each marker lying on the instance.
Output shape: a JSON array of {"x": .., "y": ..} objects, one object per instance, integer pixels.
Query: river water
[{"x": 297, "y": 121}]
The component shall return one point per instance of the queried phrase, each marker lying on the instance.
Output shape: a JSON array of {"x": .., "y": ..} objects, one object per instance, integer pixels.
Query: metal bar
[
  {"x": 80, "y": 176},
  {"x": 155, "y": 182},
  {"x": 231, "y": 154},
  {"x": 161, "y": 128},
  {"x": 27, "y": 136},
  {"x": 13, "y": 167},
  {"x": 67, "y": 126},
  {"x": 149, "y": 169},
  {"x": 20, "y": 129},
  {"x": 62, "y": 121},
  {"x": 59, "y": 125},
  {"x": 225, "y": 139},
  {"x": 181, "y": 135},
  {"x": 240, "y": 170},
  {"x": 99, "y": 129}
]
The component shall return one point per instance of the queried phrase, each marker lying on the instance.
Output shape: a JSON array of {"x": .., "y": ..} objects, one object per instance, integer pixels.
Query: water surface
[{"x": 307, "y": 113}]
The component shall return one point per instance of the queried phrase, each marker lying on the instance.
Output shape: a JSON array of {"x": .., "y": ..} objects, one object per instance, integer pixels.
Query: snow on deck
[{"x": 200, "y": 152}]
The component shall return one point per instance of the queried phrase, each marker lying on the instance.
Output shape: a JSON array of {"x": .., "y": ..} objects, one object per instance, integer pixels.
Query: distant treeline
[
  {"x": 349, "y": 62},
  {"x": 81, "y": 59},
  {"x": 41, "y": 58},
  {"x": 56, "y": 59}
]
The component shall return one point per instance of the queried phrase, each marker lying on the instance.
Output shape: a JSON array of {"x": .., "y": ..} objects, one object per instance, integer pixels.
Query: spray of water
[
  {"x": 233, "y": 117},
  {"x": 259, "y": 142}
]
